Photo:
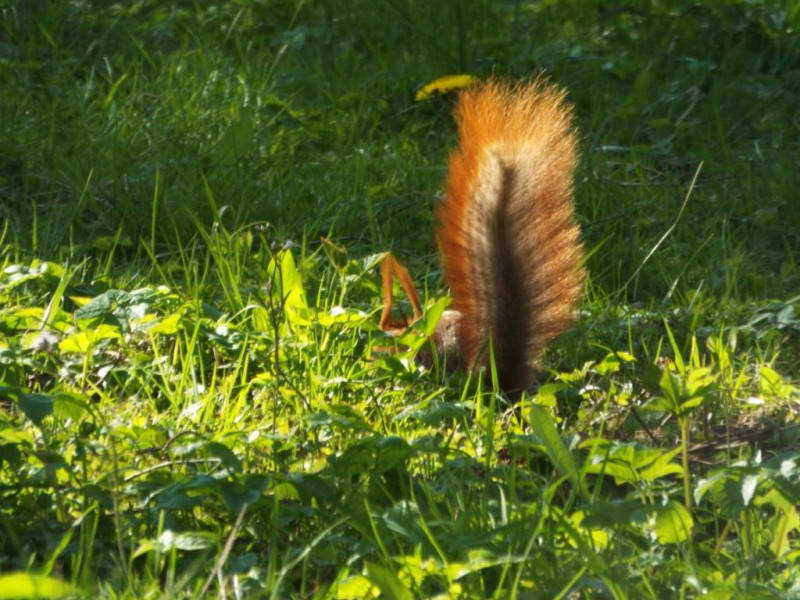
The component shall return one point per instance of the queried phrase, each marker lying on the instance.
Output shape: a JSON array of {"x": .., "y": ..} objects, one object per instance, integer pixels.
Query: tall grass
[{"x": 193, "y": 198}]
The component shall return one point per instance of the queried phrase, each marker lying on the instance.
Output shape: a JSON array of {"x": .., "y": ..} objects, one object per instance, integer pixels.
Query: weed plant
[{"x": 194, "y": 197}]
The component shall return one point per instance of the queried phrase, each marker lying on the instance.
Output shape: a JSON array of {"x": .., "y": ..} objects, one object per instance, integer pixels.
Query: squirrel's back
[{"x": 507, "y": 232}]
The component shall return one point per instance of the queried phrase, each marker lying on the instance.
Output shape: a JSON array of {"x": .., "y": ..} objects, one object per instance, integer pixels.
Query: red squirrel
[{"x": 507, "y": 234}]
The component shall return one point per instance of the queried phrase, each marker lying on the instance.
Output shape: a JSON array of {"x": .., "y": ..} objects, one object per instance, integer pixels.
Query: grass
[{"x": 194, "y": 197}]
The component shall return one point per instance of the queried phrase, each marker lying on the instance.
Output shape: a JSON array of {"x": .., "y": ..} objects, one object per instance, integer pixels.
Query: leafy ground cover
[{"x": 194, "y": 197}]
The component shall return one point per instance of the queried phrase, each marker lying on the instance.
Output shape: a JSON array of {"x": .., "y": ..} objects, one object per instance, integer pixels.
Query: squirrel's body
[{"x": 507, "y": 232}]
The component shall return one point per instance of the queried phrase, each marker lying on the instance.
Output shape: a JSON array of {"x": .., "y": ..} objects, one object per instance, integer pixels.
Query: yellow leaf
[
  {"x": 445, "y": 84},
  {"x": 673, "y": 523},
  {"x": 356, "y": 586},
  {"x": 84, "y": 341},
  {"x": 167, "y": 325},
  {"x": 28, "y": 585}
]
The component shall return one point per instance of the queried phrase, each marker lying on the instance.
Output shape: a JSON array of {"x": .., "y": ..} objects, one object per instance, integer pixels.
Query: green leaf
[
  {"x": 70, "y": 405},
  {"x": 226, "y": 456},
  {"x": 285, "y": 491},
  {"x": 436, "y": 413},
  {"x": 237, "y": 142},
  {"x": 708, "y": 483},
  {"x": 102, "y": 305},
  {"x": 35, "y": 406},
  {"x": 10, "y": 454},
  {"x": 27, "y": 585},
  {"x": 167, "y": 325},
  {"x": 313, "y": 486},
  {"x": 187, "y": 540},
  {"x": 392, "y": 452},
  {"x": 477, "y": 560},
  {"x": 700, "y": 381},
  {"x": 355, "y": 587},
  {"x": 358, "y": 458},
  {"x": 391, "y": 587},
  {"x": 236, "y": 495},
  {"x": 614, "y": 513},
  {"x": 170, "y": 540},
  {"x": 673, "y": 523},
  {"x": 630, "y": 462},
  {"x": 786, "y": 521},
  {"x": 771, "y": 384},
  {"x": 749, "y": 485},
  {"x": 431, "y": 316},
  {"x": 547, "y": 394},
  {"x": 557, "y": 451},
  {"x": 83, "y": 342},
  {"x": 660, "y": 466},
  {"x": 611, "y": 363},
  {"x": 340, "y": 416},
  {"x": 15, "y": 275},
  {"x": 287, "y": 287},
  {"x": 670, "y": 385}
]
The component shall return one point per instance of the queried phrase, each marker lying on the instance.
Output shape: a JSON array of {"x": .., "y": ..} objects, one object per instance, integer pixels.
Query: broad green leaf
[
  {"x": 598, "y": 536},
  {"x": 661, "y": 466},
  {"x": 749, "y": 485},
  {"x": 170, "y": 540},
  {"x": 313, "y": 486},
  {"x": 14, "y": 435},
  {"x": 390, "y": 585},
  {"x": 699, "y": 382},
  {"x": 24, "y": 318},
  {"x": 614, "y": 513},
  {"x": 339, "y": 315},
  {"x": 70, "y": 405},
  {"x": 285, "y": 491},
  {"x": 413, "y": 568},
  {"x": 784, "y": 523},
  {"x": 673, "y": 523},
  {"x": 83, "y": 342},
  {"x": 358, "y": 458},
  {"x": 546, "y": 395},
  {"x": 238, "y": 140},
  {"x": 186, "y": 540},
  {"x": 287, "y": 287},
  {"x": 435, "y": 413},
  {"x": 557, "y": 451},
  {"x": 392, "y": 451},
  {"x": 612, "y": 363},
  {"x": 28, "y": 585},
  {"x": 226, "y": 456},
  {"x": 10, "y": 455},
  {"x": 340, "y": 416},
  {"x": 630, "y": 462},
  {"x": 772, "y": 384},
  {"x": 670, "y": 385},
  {"x": 102, "y": 305},
  {"x": 15, "y": 275},
  {"x": 35, "y": 406},
  {"x": 236, "y": 495},
  {"x": 432, "y": 315},
  {"x": 708, "y": 483},
  {"x": 356, "y": 587},
  {"x": 477, "y": 560},
  {"x": 166, "y": 326}
]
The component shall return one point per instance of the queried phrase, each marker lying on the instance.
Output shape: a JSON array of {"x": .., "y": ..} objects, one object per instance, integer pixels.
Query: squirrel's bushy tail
[{"x": 507, "y": 232}]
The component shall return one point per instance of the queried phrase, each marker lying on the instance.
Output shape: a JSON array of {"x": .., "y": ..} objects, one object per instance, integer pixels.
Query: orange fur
[{"x": 507, "y": 233}]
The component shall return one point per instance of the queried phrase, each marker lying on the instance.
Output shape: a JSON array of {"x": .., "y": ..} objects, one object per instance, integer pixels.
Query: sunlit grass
[{"x": 193, "y": 402}]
